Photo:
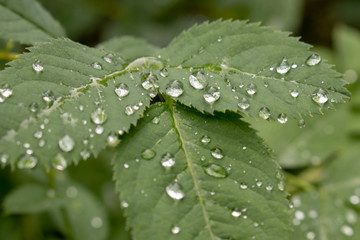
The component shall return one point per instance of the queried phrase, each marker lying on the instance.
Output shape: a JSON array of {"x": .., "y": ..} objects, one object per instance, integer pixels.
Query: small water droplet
[
  {"x": 48, "y": 96},
  {"x": 215, "y": 170},
  {"x": 282, "y": 118},
  {"x": 4, "y": 158},
  {"x": 174, "y": 191},
  {"x": 217, "y": 153},
  {"x": 219, "y": 39},
  {"x": 108, "y": 58},
  {"x": 243, "y": 186},
  {"x": 347, "y": 230},
  {"x": 164, "y": 72},
  {"x": 122, "y": 90},
  {"x": 27, "y": 162},
  {"x": 236, "y": 213},
  {"x": 313, "y": 60},
  {"x": 38, "y": 134},
  {"x": 129, "y": 110},
  {"x": 42, "y": 143},
  {"x": 168, "y": 160},
  {"x": 124, "y": 204},
  {"x": 283, "y": 67},
  {"x": 71, "y": 192},
  {"x": 96, "y": 222},
  {"x": 175, "y": 230},
  {"x": 148, "y": 154},
  {"x": 59, "y": 162},
  {"x": 251, "y": 89},
  {"x": 294, "y": 66},
  {"x": 99, "y": 129},
  {"x": 6, "y": 90},
  {"x": 212, "y": 95},
  {"x": 244, "y": 104},
  {"x": 198, "y": 80},
  {"x": 113, "y": 139},
  {"x": 34, "y": 107},
  {"x": 310, "y": 235},
  {"x": 85, "y": 154},
  {"x": 320, "y": 96},
  {"x": 301, "y": 123},
  {"x": 66, "y": 143},
  {"x": 155, "y": 120},
  {"x": 99, "y": 116},
  {"x": 96, "y": 66},
  {"x": 174, "y": 89},
  {"x": 205, "y": 139},
  {"x": 37, "y": 67},
  {"x": 294, "y": 93},
  {"x": 264, "y": 113}
]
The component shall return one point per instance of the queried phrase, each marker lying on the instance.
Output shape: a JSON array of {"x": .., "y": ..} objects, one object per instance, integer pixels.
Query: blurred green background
[{"x": 309, "y": 155}]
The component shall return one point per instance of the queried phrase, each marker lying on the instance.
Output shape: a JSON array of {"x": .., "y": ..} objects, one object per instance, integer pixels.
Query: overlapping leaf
[
  {"x": 27, "y": 21},
  {"x": 179, "y": 165}
]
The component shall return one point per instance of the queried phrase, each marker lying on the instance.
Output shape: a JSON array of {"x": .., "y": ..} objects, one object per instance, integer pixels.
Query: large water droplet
[
  {"x": 59, "y": 162},
  {"x": 122, "y": 90},
  {"x": 294, "y": 93},
  {"x": 175, "y": 230},
  {"x": 217, "y": 153},
  {"x": 283, "y": 67},
  {"x": 99, "y": 116},
  {"x": 37, "y": 67},
  {"x": 264, "y": 113},
  {"x": 212, "y": 95},
  {"x": 197, "y": 80},
  {"x": 168, "y": 160},
  {"x": 66, "y": 143},
  {"x": 205, "y": 139},
  {"x": 6, "y": 90},
  {"x": 320, "y": 96},
  {"x": 96, "y": 66},
  {"x": 313, "y": 60},
  {"x": 282, "y": 118},
  {"x": 174, "y": 88},
  {"x": 113, "y": 139},
  {"x": 251, "y": 89},
  {"x": 215, "y": 170},
  {"x": 27, "y": 161},
  {"x": 48, "y": 96},
  {"x": 244, "y": 104},
  {"x": 148, "y": 154},
  {"x": 174, "y": 191},
  {"x": 149, "y": 82}
]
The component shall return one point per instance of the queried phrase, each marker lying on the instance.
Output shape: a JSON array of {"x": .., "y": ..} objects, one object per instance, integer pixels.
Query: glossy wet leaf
[{"x": 194, "y": 198}]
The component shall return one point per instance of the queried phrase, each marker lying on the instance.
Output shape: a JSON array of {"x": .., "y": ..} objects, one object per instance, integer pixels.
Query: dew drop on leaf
[
  {"x": 313, "y": 60},
  {"x": 27, "y": 162},
  {"x": 38, "y": 134},
  {"x": 251, "y": 89},
  {"x": 347, "y": 230},
  {"x": 269, "y": 188},
  {"x": 294, "y": 93},
  {"x": 264, "y": 113},
  {"x": 96, "y": 66},
  {"x": 108, "y": 58},
  {"x": 236, "y": 213},
  {"x": 155, "y": 120},
  {"x": 301, "y": 123},
  {"x": 129, "y": 110},
  {"x": 34, "y": 107},
  {"x": 175, "y": 230},
  {"x": 59, "y": 162},
  {"x": 215, "y": 170},
  {"x": 42, "y": 143},
  {"x": 66, "y": 143},
  {"x": 48, "y": 96},
  {"x": 149, "y": 83},
  {"x": 99, "y": 129},
  {"x": 354, "y": 199},
  {"x": 243, "y": 186},
  {"x": 164, "y": 72},
  {"x": 197, "y": 80},
  {"x": 174, "y": 191},
  {"x": 37, "y": 67},
  {"x": 4, "y": 158},
  {"x": 320, "y": 96},
  {"x": 71, "y": 192},
  {"x": 212, "y": 95},
  {"x": 217, "y": 153},
  {"x": 99, "y": 116},
  {"x": 282, "y": 118},
  {"x": 205, "y": 139},
  {"x": 283, "y": 67},
  {"x": 96, "y": 222},
  {"x": 244, "y": 104},
  {"x": 113, "y": 139},
  {"x": 174, "y": 89},
  {"x": 168, "y": 160},
  {"x": 148, "y": 154},
  {"x": 85, "y": 154},
  {"x": 6, "y": 91},
  {"x": 122, "y": 90},
  {"x": 294, "y": 66}
]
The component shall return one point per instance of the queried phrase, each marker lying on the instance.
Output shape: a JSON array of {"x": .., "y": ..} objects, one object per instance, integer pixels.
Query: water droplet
[
  {"x": 108, "y": 58},
  {"x": 251, "y": 89},
  {"x": 126, "y": 166},
  {"x": 66, "y": 143},
  {"x": 282, "y": 118},
  {"x": 6, "y": 90},
  {"x": 155, "y": 120},
  {"x": 59, "y": 162},
  {"x": 354, "y": 199},
  {"x": 243, "y": 186},
  {"x": 149, "y": 83},
  {"x": 99, "y": 116},
  {"x": 96, "y": 66},
  {"x": 37, "y": 67},
  {"x": 347, "y": 230},
  {"x": 299, "y": 215},
  {"x": 175, "y": 230},
  {"x": 236, "y": 213},
  {"x": 313, "y": 60},
  {"x": 197, "y": 80},
  {"x": 113, "y": 139},
  {"x": 217, "y": 153},
  {"x": 301, "y": 123},
  {"x": 34, "y": 107},
  {"x": 168, "y": 160},
  {"x": 164, "y": 72},
  {"x": 320, "y": 96},
  {"x": 174, "y": 89},
  {"x": 71, "y": 192},
  {"x": 269, "y": 187},
  {"x": 174, "y": 191},
  {"x": 212, "y": 95},
  {"x": 283, "y": 67},
  {"x": 42, "y": 143},
  {"x": 215, "y": 170},
  {"x": 124, "y": 204},
  {"x": 310, "y": 235},
  {"x": 264, "y": 113},
  {"x": 244, "y": 104},
  {"x": 129, "y": 110},
  {"x": 85, "y": 154},
  {"x": 48, "y": 96},
  {"x": 38, "y": 134},
  {"x": 27, "y": 162},
  {"x": 4, "y": 158},
  {"x": 99, "y": 129},
  {"x": 148, "y": 154},
  {"x": 219, "y": 39},
  {"x": 122, "y": 90},
  {"x": 96, "y": 222},
  {"x": 294, "y": 93},
  {"x": 294, "y": 66}
]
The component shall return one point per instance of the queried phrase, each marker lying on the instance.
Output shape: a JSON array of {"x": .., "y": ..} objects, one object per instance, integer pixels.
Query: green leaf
[
  {"x": 252, "y": 65},
  {"x": 197, "y": 176},
  {"x": 27, "y": 21},
  {"x": 129, "y": 48},
  {"x": 77, "y": 107},
  {"x": 31, "y": 198}
]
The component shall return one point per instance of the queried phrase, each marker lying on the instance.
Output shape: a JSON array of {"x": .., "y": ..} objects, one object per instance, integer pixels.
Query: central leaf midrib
[{"x": 190, "y": 167}]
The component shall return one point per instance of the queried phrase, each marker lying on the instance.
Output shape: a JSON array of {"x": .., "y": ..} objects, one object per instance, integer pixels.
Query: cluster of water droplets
[{"x": 150, "y": 83}]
